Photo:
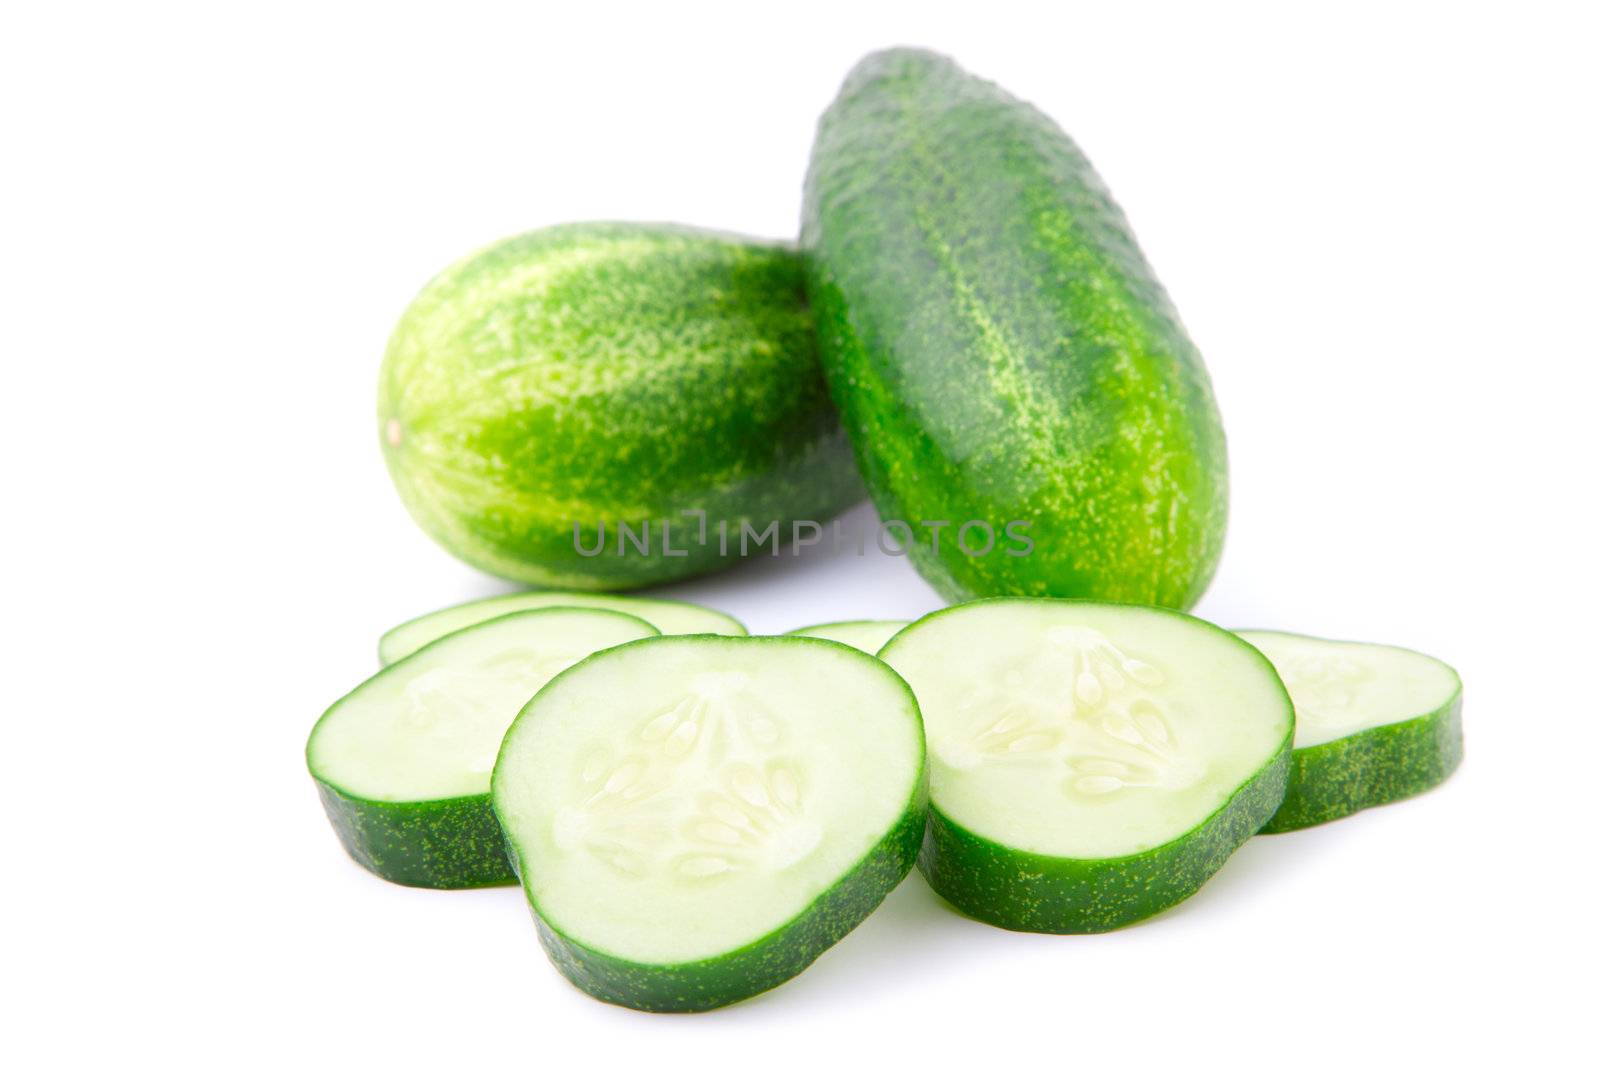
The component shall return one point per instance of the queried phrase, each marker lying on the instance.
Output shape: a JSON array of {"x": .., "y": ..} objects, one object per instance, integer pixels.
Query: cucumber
[
  {"x": 1017, "y": 385},
  {"x": 1091, "y": 764},
  {"x": 668, "y": 616},
  {"x": 1374, "y": 724},
  {"x": 695, "y": 819},
  {"x": 867, "y": 635},
  {"x": 591, "y": 406},
  {"x": 403, "y": 761}
]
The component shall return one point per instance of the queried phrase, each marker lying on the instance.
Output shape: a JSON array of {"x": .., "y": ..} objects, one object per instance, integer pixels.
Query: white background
[{"x": 1379, "y": 223}]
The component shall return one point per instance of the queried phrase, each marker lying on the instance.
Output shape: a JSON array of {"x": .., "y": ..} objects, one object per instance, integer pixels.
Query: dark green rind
[
  {"x": 610, "y": 372},
  {"x": 1369, "y": 768},
  {"x": 453, "y": 843},
  {"x": 1021, "y": 890},
  {"x": 761, "y": 965},
  {"x": 1000, "y": 349}
]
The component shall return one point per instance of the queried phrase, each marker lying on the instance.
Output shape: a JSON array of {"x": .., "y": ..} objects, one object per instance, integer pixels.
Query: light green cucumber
[
  {"x": 1090, "y": 764},
  {"x": 403, "y": 761},
  {"x": 868, "y": 635},
  {"x": 668, "y": 616},
  {"x": 1374, "y": 724},
  {"x": 695, "y": 819},
  {"x": 1017, "y": 385},
  {"x": 611, "y": 405}
]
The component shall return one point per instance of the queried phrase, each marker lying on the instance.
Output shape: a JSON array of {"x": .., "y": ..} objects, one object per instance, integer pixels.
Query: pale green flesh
[
  {"x": 668, "y": 616},
  {"x": 1086, "y": 730},
  {"x": 681, "y": 798},
  {"x": 868, "y": 636},
  {"x": 1341, "y": 688},
  {"x": 428, "y": 727}
]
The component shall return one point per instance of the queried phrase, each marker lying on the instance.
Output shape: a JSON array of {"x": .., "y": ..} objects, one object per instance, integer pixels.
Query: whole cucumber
[
  {"x": 1005, "y": 361},
  {"x": 586, "y": 406}
]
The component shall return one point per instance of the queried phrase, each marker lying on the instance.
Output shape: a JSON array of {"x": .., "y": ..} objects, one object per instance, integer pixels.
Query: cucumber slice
[
  {"x": 867, "y": 635},
  {"x": 1374, "y": 724},
  {"x": 1091, "y": 764},
  {"x": 403, "y": 761},
  {"x": 695, "y": 819},
  {"x": 668, "y": 616}
]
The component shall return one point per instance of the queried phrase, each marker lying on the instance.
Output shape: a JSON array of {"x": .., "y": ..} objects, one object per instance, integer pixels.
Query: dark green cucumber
[
  {"x": 658, "y": 382},
  {"x": 1376, "y": 724},
  {"x": 697, "y": 818},
  {"x": 402, "y": 762},
  {"x": 1091, "y": 764},
  {"x": 1006, "y": 362}
]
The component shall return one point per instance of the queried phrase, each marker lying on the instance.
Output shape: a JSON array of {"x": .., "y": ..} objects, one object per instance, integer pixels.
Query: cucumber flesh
[
  {"x": 403, "y": 761},
  {"x": 867, "y": 635},
  {"x": 668, "y": 616},
  {"x": 1341, "y": 687},
  {"x": 696, "y": 818},
  {"x": 1090, "y": 763},
  {"x": 1375, "y": 724}
]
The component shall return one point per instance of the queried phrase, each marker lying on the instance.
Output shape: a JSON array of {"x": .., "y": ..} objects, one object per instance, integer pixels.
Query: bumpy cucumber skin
[
  {"x": 610, "y": 372},
  {"x": 1372, "y": 767},
  {"x": 761, "y": 965},
  {"x": 1026, "y": 891},
  {"x": 453, "y": 843},
  {"x": 1000, "y": 349}
]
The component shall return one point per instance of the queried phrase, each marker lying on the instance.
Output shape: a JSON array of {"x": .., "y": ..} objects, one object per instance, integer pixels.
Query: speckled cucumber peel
[
  {"x": 1090, "y": 764},
  {"x": 1002, "y": 356},
  {"x": 668, "y": 616},
  {"x": 402, "y": 762},
  {"x": 1375, "y": 724},
  {"x": 696, "y": 818},
  {"x": 869, "y": 635},
  {"x": 590, "y": 375}
]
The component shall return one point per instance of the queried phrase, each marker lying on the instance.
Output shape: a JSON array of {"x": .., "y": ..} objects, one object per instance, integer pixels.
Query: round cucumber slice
[
  {"x": 867, "y": 635},
  {"x": 1090, "y": 764},
  {"x": 403, "y": 761},
  {"x": 1375, "y": 724},
  {"x": 668, "y": 616},
  {"x": 695, "y": 819}
]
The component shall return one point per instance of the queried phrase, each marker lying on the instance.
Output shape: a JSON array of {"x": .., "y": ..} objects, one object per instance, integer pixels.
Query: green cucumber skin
[
  {"x": 1021, "y": 890},
  {"x": 453, "y": 843},
  {"x": 1378, "y": 766},
  {"x": 610, "y": 372},
  {"x": 999, "y": 348},
  {"x": 761, "y": 965}
]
